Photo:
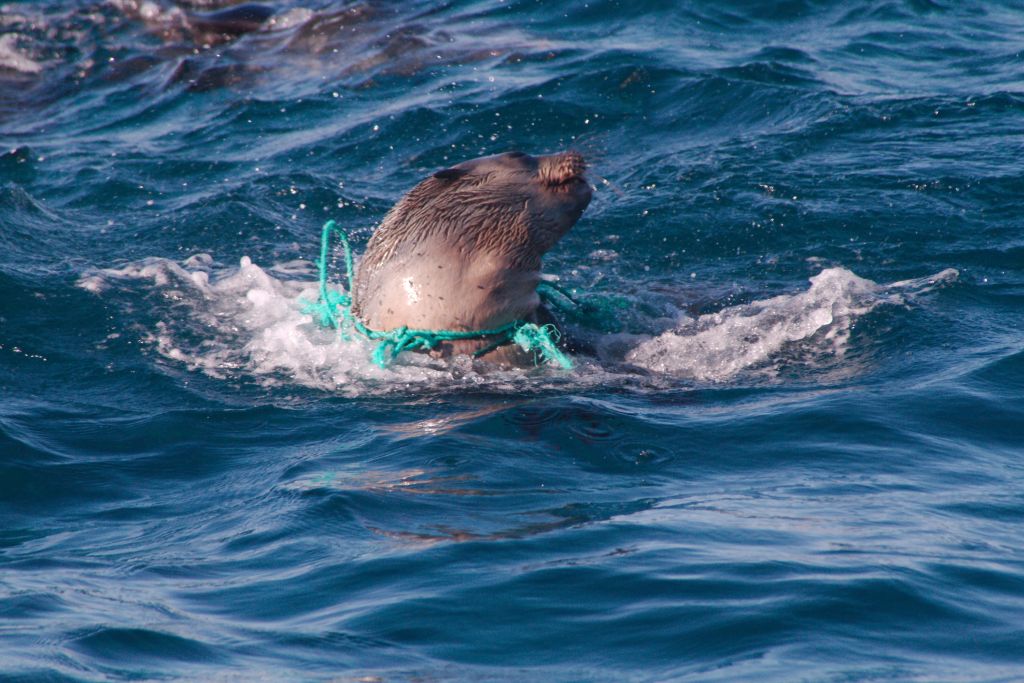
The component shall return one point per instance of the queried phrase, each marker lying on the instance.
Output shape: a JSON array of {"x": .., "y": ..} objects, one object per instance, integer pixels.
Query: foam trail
[
  {"x": 14, "y": 59},
  {"x": 718, "y": 346},
  {"x": 247, "y": 323}
]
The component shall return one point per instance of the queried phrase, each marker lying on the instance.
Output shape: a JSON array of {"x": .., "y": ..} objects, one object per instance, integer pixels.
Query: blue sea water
[{"x": 797, "y": 455}]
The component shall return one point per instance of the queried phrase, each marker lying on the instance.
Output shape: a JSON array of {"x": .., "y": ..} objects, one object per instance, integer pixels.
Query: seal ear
[{"x": 450, "y": 174}]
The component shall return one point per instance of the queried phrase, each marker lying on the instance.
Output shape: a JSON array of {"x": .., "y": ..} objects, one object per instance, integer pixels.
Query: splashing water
[
  {"x": 229, "y": 322},
  {"x": 718, "y": 346},
  {"x": 11, "y": 57},
  {"x": 247, "y": 321}
]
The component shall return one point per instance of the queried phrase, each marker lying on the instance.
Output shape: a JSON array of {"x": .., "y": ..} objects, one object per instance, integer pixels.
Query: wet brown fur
[{"x": 462, "y": 250}]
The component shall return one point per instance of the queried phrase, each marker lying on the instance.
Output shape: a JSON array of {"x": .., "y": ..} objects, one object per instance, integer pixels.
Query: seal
[
  {"x": 226, "y": 24},
  {"x": 462, "y": 250}
]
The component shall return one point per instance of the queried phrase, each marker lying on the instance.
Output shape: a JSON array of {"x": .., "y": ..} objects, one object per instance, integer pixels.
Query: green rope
[
  {"x": 541, "y": 339},
  {"x": 548, "y": 291},
  {"x": 334, "y": 309}
]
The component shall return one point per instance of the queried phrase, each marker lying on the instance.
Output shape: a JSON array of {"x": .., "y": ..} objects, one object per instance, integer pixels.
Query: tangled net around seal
[{"x": 334, "y": 309}]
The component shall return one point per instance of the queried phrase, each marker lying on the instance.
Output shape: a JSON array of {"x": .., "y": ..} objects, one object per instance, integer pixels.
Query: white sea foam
[
  {"x": 718, "y": 346},
  {"x": 11, "y": 57},
  {"x": 247, "y": 322}
]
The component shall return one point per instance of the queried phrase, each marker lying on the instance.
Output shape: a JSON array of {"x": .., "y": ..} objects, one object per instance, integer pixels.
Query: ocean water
[{"x": 797, "y": 455}]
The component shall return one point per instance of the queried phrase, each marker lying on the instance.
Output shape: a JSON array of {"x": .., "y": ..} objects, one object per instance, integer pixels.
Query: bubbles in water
[
  {"x": 718, "y": 346},
  {"x": 11, "y": 57},
  {"x": 247, "y": 323}
]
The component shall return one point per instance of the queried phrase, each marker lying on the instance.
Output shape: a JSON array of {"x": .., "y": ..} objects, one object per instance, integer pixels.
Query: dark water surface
[{"x": 798, "y": 456}]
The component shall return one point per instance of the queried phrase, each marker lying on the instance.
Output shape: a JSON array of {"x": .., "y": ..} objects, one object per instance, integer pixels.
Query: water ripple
[{"x": 794, "y": 453}]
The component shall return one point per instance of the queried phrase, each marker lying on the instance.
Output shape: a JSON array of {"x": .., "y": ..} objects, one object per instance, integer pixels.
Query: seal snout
[{"x": 559, "y": 169}]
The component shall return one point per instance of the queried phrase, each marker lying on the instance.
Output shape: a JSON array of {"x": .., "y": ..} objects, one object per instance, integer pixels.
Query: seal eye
[{"x": 451, "y": 174}]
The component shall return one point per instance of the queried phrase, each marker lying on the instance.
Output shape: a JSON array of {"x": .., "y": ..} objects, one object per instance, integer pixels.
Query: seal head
[{"x": 462, "y": 250}]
